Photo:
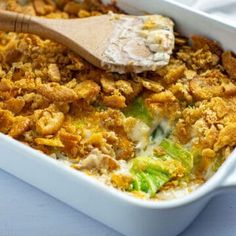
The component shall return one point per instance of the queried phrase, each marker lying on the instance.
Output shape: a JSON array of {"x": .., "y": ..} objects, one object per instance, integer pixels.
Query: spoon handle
[
  {"x": 15, "y": 22},
  {"x": 20, "y": 23}
]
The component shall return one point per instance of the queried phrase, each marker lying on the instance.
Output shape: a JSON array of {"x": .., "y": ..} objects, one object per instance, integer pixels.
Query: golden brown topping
[
  {"x": 115, "y": 101},
  {"x": 83, "y": 13},
  {"x": 15, "y": 105},
  {"x": 229, "y": 89},
  {"x": 98, "y": 140},
  {"x": 207, "y": 158},
  {"x": 72, "y": 8},
  {"x": 219, "y": 106},
  {"x": 21, "y": 124},
  {"x": 44, "y": 7},
  {"x": 6, "y": 85},
  {"x": 203, "y": 60},
  {"x": 54, "y": 73},
  {"x": 6, "y": 121},
  {"x": 227, "y": 137},
  {"x": 200, "y": 42},
  {"x": 121, "y": 181},
  {"x": 70, "y": 142},
  {"x": 35, "y": 101},
  {"x": 182, "y": 92},
  {"x": 108, "y": 85},
  {"x": 57, "y": 93},
  {"x": 182, "y": 131},
  {"x": 208, "y": 153},
  {"x": 152, "y": 85},
  {"x": 229, "y": 63},
  {"x": 175, "y": 73},
  {"x": 200, "y": 60},
  {"x": 26, "y": 84},
  {"x": 111, "y": 118},
  {"x": 137, "y": 88},
  {"x": 163, "y": 104},
  {"x": 189, "y": 74},
  {"x": 49, "y": 142},
  {"x": 87, "y": 90},
  {"x": 124, "y": 87},
  {"x": 13, "y": 55},
  {"x": 48, "y": 122},
  {"x": 124, "y": 148},
  {"x": 205, "y": 87},
  {"x": 163, "y": 97},
  {"x": 210, "y": 84}
]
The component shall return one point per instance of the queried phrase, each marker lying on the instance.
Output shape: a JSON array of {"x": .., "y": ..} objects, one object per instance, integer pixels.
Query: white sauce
[
  {"x": 177, "y": 192},
  {"x": 139, "y": 133},
  {"x": 148, "y": 151},
  {"x": 142, "y": 42}
]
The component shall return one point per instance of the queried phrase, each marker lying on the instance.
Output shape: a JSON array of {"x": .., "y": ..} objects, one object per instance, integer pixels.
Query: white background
[{"x": 26, "y": 211}]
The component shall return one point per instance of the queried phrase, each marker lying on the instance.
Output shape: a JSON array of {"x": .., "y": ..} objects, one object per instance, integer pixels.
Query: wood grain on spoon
[{"x": 118, "y": 43}]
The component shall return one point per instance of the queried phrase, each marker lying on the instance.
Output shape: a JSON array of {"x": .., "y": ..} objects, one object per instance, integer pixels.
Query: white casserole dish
[{"x": 126, "y": 214}]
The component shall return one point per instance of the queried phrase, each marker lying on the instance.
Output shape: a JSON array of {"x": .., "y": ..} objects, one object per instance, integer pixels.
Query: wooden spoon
[{"x": 118, "y": 43}]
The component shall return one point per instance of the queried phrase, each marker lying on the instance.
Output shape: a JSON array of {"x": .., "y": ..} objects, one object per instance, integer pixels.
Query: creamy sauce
[
  {"x": 138, "y": 132},
  {"x": 178, "y": 192},
  {"x": 142, "y": 42},
  {"x": 153, "y": 142}
]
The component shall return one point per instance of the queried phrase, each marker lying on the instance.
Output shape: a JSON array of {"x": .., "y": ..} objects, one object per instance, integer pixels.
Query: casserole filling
[
  {"x": 145, "y": 43},
  {"x": 158, "y": 134}
]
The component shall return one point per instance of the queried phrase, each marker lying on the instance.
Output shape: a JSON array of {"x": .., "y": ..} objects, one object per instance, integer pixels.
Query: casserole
[{"x": 154, "y": 219}]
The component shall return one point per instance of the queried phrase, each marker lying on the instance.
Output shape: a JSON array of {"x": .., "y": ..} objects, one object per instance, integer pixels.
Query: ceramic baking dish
[{"x": 126, "y": 214}]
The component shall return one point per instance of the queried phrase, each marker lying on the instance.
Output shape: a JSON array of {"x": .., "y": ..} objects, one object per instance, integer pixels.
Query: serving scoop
[{"x": 114, "y": 42}]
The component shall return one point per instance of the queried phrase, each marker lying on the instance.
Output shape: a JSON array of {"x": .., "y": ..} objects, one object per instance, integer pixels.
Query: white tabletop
[{"x": 25, "y": 211}]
